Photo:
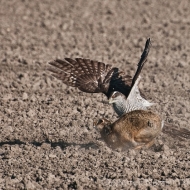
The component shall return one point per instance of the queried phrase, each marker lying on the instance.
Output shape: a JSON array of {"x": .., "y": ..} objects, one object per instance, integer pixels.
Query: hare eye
[{"x": 150, "y": 124}]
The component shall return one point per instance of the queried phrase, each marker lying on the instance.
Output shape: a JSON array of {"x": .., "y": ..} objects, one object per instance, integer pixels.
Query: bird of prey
[
  {"x": 136, "y": 129},
  {"x": 97, "y": 77}
]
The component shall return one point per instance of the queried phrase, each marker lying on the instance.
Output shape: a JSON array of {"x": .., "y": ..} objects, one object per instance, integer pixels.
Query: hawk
[{"x": 97, "y": 77}]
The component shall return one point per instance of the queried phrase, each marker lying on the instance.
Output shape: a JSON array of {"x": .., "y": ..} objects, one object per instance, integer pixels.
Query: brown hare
[{"x": 135, "y": 129}]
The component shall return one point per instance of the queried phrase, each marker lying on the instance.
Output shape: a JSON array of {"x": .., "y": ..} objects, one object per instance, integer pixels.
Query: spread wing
[
  {"x": 93, "y": 76},
  {"x": 90, "y": 76}
]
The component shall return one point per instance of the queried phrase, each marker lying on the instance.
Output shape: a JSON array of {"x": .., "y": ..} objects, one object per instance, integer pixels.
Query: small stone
[
  {"x": 7, "y": 97},
  {"x": 25, "y": 96},
  {"x": 52, "y": 155},
  {"x": 182, "y": 64},
  {"x": 9, "y": 128},
  {"x": 31, "y": 113}
]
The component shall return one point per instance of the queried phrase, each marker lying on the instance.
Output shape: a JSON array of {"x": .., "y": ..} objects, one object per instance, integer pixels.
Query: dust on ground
[{"x": 47, "y": 138}]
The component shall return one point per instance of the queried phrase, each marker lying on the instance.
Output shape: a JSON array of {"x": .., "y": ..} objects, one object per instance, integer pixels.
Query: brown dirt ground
[{"x": 47, "y": 138}]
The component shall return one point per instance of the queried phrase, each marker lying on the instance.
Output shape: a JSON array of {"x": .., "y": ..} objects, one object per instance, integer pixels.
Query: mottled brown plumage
[{"x": 135, "y": 129}]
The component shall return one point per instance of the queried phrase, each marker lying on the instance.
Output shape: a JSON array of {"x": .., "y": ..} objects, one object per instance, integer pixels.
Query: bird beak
[{"x": 111, "y": 101}]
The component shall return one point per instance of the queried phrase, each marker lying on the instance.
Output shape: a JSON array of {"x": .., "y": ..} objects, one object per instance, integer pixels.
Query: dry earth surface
[{"x": 47, "y": 138}]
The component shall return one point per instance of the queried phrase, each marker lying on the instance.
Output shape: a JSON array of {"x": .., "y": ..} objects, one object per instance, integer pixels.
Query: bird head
[{"x": 116, "y": 97}]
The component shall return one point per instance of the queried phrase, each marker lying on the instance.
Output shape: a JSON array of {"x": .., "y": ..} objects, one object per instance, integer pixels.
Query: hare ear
[{"x": 99, "y": 124}]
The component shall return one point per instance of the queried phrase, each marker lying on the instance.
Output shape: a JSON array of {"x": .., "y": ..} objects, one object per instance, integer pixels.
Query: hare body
[{"x": 135, "y": 129}]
